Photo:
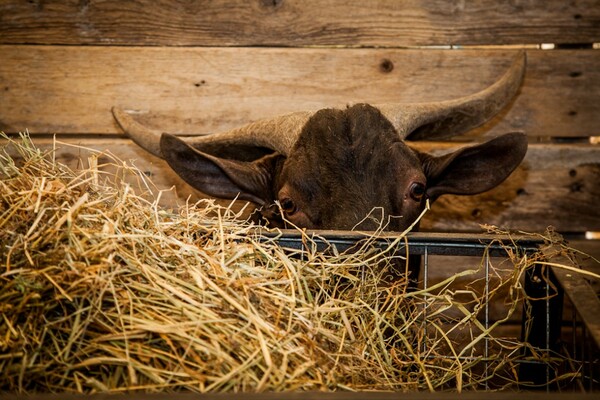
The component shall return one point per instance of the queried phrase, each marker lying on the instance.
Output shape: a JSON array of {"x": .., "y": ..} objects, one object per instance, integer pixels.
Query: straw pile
[{"x": 101, "y": 290}]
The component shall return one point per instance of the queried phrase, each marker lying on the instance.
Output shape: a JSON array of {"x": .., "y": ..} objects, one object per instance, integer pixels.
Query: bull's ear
[
  {"x": 220, "y": 177},
  {"x": 473, "y": 170}
]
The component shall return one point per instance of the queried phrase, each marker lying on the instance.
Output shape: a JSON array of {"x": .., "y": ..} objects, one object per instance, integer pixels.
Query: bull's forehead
[
  {"x": 357, "y": 129},
  {"x": 358, "y": 140},
  {"x": 346, "y": 163}
]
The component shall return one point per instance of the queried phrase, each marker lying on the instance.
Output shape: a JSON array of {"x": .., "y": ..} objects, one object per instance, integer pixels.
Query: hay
[{"x": 102, "y": 290}]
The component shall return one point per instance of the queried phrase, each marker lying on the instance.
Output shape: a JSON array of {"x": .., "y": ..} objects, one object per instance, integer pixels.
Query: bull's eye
[
  {"x": 288, "y": 206},
  {"x": 417, "y": 191}
]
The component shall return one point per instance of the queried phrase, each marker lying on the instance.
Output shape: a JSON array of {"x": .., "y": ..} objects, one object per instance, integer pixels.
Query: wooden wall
[{"x": 199, "y": 67}]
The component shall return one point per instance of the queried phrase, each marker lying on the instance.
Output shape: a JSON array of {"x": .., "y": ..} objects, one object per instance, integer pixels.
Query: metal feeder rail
[{"x": 545, "y": 285}]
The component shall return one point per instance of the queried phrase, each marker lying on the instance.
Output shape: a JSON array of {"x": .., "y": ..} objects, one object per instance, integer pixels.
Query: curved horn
[
  {"x": 278, "y": 133},
  {"x": 444, "y": 119},
  {"x": 414, "y": 121}
]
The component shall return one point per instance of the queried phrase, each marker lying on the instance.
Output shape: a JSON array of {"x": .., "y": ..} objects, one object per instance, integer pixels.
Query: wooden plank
[
  {"x": 583, "y": 297},
  {"x": 299, "y": 22},
  {"x": 589, "y": 258},
  {"x": 556, "y": 185},
  {"x": 57, "y": 89}
]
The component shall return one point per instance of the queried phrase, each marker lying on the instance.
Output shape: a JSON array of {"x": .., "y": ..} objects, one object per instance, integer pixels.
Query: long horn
[
  {"x": 415, "y": 121},
  {"x": 279, "y": 133},
  {"x": 444, "y": 119}
]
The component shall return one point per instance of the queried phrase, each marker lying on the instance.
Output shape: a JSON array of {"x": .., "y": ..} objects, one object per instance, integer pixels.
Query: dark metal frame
[{"x": 545, "y": 285}]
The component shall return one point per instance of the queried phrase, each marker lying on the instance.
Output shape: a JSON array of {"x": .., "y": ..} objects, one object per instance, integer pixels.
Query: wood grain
[
  {"x": 299, "y": 22},
  {"x": 556, "y": 185},
  {"x": 63, "y": 89}
]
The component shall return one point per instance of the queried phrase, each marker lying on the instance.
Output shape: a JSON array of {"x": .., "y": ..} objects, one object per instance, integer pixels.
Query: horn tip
[
  {"x": 121, "y": 116},
  {"x": 116, "y": 110},
  {"x": 144, "y": 137}
]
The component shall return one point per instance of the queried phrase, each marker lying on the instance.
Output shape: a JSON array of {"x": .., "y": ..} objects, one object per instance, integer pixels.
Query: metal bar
[
  {"x": 548, "y": 328},
  {"x": 543, "y": 328},
  {"x": 436, "y": 243},
  {"x": 425, "y": 283},
  {"x": 487, "y": 315}
]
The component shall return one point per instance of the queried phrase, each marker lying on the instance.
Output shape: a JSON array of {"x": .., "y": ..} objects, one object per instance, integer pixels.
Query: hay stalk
[{"x": 102, "y": 290}]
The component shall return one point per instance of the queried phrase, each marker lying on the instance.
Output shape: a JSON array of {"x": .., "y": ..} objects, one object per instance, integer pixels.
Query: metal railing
[{"x": 545, "y": 286}]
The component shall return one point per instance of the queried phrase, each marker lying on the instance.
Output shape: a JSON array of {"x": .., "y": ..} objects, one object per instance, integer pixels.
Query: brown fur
[{"x": 348, "y": 169}]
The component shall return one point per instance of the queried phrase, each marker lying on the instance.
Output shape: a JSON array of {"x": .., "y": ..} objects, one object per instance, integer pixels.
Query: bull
[{"x": 328, "y": 169}]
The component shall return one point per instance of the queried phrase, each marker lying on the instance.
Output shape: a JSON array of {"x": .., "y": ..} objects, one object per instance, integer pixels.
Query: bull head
[{"x": 330, "y": 168}]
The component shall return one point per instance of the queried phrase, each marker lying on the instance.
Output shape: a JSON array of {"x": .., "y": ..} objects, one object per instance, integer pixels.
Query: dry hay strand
[{"x": 102, "y": 290}]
